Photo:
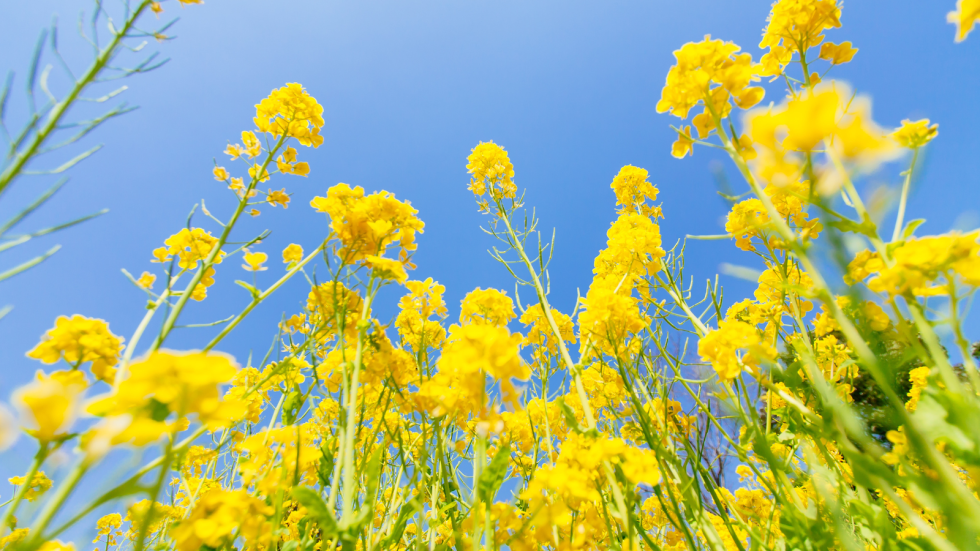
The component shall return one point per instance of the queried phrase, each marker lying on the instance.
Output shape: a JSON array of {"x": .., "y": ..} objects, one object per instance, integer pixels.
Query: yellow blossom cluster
[
  {"x": 79, "y": 340},
  {"x": 415, "y": 325},
  {"x": 491, "y": 170},
  {"x": 293, "y": 112},
  {"x": 166, "y": 383},
  {"x": 922, "y": 266},
  {"x": 367, "y": 225},
  {"x": 846, "y": 411}
]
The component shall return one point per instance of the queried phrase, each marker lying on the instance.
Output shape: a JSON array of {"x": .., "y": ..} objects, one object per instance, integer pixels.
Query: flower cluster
[{"x": 79, "y": 340}]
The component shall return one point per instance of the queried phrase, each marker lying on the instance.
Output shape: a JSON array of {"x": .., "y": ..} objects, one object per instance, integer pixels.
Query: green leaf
[
  {"x": 292, "y": 406},
  {"x": 324, "y": 471},
  {"x": 317, "y": 510},
  {"x": 848, "y": 225},
  {"x": 408, "y": 510},
  {"x": 29, "y": 264},
  {"x": 251, "y": 289},
  {"x": 910, "y": 227},
  {"x": 493, "y": 476},
  {"x": 569, "y": 415}
]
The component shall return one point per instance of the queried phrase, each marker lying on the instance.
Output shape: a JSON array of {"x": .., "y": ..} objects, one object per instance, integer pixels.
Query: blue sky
[{"x": 568, "y": 88}]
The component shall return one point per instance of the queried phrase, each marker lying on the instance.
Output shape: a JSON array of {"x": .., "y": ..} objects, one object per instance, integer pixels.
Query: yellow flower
[
  {"x": 254, "y": 261},
  {"x": 414, "y": 322},
  {"x": 108, "y": 528},
  {"x": 919, "y": 377},
  {"x": 918, "y": 262},
  {"x": 490, "y": 168},
  {"x": 165, "y": 383},
  {"x": 328, "y": 301},
  {"x": 292, "y": 253},
  {"x": 156, "y": 7},
  {"x": 608, "y": 318},
  {"x": 486, "y": 307},
  {"x": 78, "y": 340},
  {"x": 745, "y": 221},
  {"x": 49, "y": 405},
  {"x": 368, "y": 224},
  {"x": 200, "y": 291},
  {"x": 137, "y": 512},
  {"x": 540, "y": 333},
  {"x": 221, "y": 514},
  {"x": 220, "y": 174},
  {"x": 292, "y": 111},
  {"x": 57, "y": 545},
  {"x": 473, "y": 352},
  {"x": 301, "y": 169},
  {"x": 822, "y": 116},
  {"x": 633, "y": 190},
  {"x": 720, "y": 347},
  {"x": 255, "y": 170},
  {"x": 684, "y": 145},
  {"x": 633, "y": 250},
  {"x": 39, "y": 484},
  {"x": 965, "y": 17},
  {"x": 15, "y": 536},
  {"x": 295, "y": 323},
  {"x": 146, "y": 280},
  {"x": 190, "y": 246},
  {"x": 287, "y": 164},
  {"x": 837, "y": 53},
  {"x": 386, "y": 268},
  {"x": 278, "y": 198},
  {"x": 700, "y": 65},
  {"x": 799, "y": 24},
  {"x": 234, "y": 151},
  {"x": 914, "y": 134},
  {"x": 252, "y": 145}
]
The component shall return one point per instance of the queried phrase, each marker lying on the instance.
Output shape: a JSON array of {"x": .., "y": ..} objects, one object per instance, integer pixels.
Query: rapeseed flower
[
  {"x": 915, "y": 134},
  {"x": 79, "y": 340},
  {"x": 965, "y": 17},
  {"x": 368, "y": 224},
  {"x": 254, "y": 261},
  {"x": 50, "y": 404},
  {"x": 292, "y": 111},
  {"x": 39, "y": 484},
  {"x": 168, "y": 383}
]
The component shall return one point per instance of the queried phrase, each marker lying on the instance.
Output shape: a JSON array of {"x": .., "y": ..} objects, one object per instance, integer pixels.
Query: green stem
[
  {"x": 107, "y": 496},
  {"x": 61, "y": 108},
  {"x": 900, "y": 219},
  {"x": 39, "y": 457},
  {"x": 262, "y": 296},
  {"x": 546, "y": 308},
  {"x": 216, "y": 249},
  {"x": 157, "y": 485},
  {"x": 348, "y": 489},
  {"x": 53, "y": 506}
]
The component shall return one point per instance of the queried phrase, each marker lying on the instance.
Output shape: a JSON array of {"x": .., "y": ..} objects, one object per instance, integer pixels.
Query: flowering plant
[{"x": 849, "y": 423}]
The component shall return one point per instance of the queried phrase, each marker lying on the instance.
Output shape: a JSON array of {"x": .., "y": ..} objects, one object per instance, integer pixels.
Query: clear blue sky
[{"x": 569, "y": 88}]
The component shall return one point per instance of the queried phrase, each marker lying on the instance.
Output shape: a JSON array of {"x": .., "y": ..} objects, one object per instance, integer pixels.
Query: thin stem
[
  {"x": 348, "y": 489},
  {"x": 39, "y": 458},
  {"x": 216, "y": 249},
  {"x": 53, "y": 506},
  {"x": 262, "y": 296},
  {"x": 900, "y": 219},
  {"x": 58, "y": 111},
  {"x": 546, "y": 308}
]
